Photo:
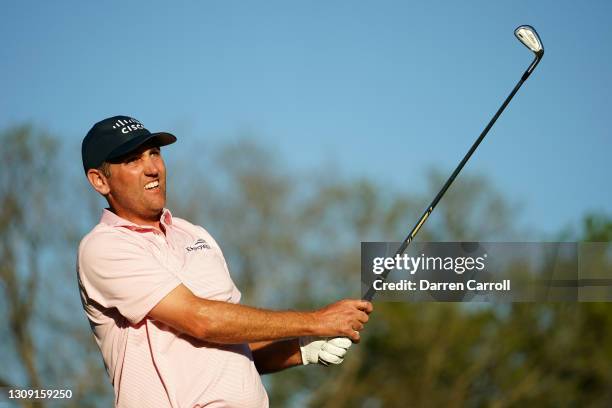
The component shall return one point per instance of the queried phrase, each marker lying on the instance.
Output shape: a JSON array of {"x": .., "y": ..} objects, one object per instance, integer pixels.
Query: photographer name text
[{"x": 424, "y": 284}]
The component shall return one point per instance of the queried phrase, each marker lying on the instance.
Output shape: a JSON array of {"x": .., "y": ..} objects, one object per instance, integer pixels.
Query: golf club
[{"x": 529, "y": 37}]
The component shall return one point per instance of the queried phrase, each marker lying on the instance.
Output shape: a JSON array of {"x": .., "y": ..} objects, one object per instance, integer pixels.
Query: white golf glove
[{"x": 324, "y": 351}]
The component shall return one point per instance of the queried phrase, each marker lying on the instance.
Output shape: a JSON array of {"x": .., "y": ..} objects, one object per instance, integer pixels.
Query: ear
[{"x": 98, "y": 181}]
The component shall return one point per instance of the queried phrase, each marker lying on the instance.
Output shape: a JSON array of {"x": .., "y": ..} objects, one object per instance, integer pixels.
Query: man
[{"x": 163, "y": 308}]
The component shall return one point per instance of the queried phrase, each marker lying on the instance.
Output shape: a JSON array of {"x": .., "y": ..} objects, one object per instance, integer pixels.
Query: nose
[{"x": 152, "y": 167}]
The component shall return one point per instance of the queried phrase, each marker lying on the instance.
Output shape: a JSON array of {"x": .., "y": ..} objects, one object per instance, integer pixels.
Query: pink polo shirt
[{"x": 124, "y": 270}]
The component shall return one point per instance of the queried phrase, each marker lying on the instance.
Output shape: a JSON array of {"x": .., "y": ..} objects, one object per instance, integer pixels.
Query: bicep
[{"x": 178, "y": 309}]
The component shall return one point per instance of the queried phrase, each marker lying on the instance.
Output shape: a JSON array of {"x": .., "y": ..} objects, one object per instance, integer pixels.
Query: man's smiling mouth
[{"x": 152, "y": 185}]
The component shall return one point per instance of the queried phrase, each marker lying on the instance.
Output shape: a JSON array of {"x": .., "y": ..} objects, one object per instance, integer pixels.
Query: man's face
[{"x": 137, "y": 185}]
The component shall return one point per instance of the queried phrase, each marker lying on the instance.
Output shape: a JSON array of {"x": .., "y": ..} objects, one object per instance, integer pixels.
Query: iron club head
[{"x": 530, "y": 38}]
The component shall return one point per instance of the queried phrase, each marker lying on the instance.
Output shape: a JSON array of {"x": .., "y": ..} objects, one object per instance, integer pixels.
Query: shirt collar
[{"x": 113, "y": 220}]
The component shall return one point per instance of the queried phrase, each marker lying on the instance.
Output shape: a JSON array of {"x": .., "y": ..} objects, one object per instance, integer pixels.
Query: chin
[
  {"x": 155, "y": 210},
  {"x": 158, "y": 203}
]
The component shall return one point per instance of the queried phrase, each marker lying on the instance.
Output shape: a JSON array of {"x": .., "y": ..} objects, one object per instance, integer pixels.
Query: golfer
[{"x": 160, "y": 300}]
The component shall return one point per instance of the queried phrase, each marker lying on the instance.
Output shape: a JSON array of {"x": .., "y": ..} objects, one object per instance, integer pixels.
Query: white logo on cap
[{"x": 127, "y": 125}]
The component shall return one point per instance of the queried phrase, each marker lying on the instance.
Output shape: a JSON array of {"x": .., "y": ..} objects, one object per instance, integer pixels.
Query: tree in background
[
  {"x": 45, "y": 340},
  {"x": 23, "y": 210}
]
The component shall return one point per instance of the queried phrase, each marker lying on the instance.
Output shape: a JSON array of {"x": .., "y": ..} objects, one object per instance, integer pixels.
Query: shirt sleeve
[{"x": 119, "y": 272}]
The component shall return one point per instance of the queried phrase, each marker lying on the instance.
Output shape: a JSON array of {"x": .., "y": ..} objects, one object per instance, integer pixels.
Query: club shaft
[{"x": 369, "y": 295}]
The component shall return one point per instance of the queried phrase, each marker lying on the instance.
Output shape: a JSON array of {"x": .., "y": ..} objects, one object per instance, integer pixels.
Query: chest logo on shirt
[{"x": 199, "y": 244}]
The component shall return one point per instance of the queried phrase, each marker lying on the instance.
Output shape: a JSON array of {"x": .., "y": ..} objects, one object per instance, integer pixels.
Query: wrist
[{"x": 311, "y": 324}]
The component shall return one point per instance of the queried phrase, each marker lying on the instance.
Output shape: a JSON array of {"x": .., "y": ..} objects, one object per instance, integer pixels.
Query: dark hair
[{"x": 105, "y": 169}]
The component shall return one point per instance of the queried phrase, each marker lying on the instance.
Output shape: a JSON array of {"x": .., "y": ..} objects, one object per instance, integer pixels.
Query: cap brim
[{"x": 162, "y": 138}]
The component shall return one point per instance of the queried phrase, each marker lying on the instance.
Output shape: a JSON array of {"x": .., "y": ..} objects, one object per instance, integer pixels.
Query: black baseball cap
[{"x": 116, "y": 136}]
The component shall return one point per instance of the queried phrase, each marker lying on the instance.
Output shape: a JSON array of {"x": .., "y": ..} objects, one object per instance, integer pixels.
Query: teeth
[{"x": 152, "y": 184}]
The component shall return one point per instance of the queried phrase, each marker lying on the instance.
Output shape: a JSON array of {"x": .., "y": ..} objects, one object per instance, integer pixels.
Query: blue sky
[{"x": 383, "y": 89}]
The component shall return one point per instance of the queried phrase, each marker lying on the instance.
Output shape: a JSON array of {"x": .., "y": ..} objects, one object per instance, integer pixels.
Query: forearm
[
  {"x": 229, "y": 323},
  {"x": 272, "y": 356},
  {"x": 222, "y": 322}
]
